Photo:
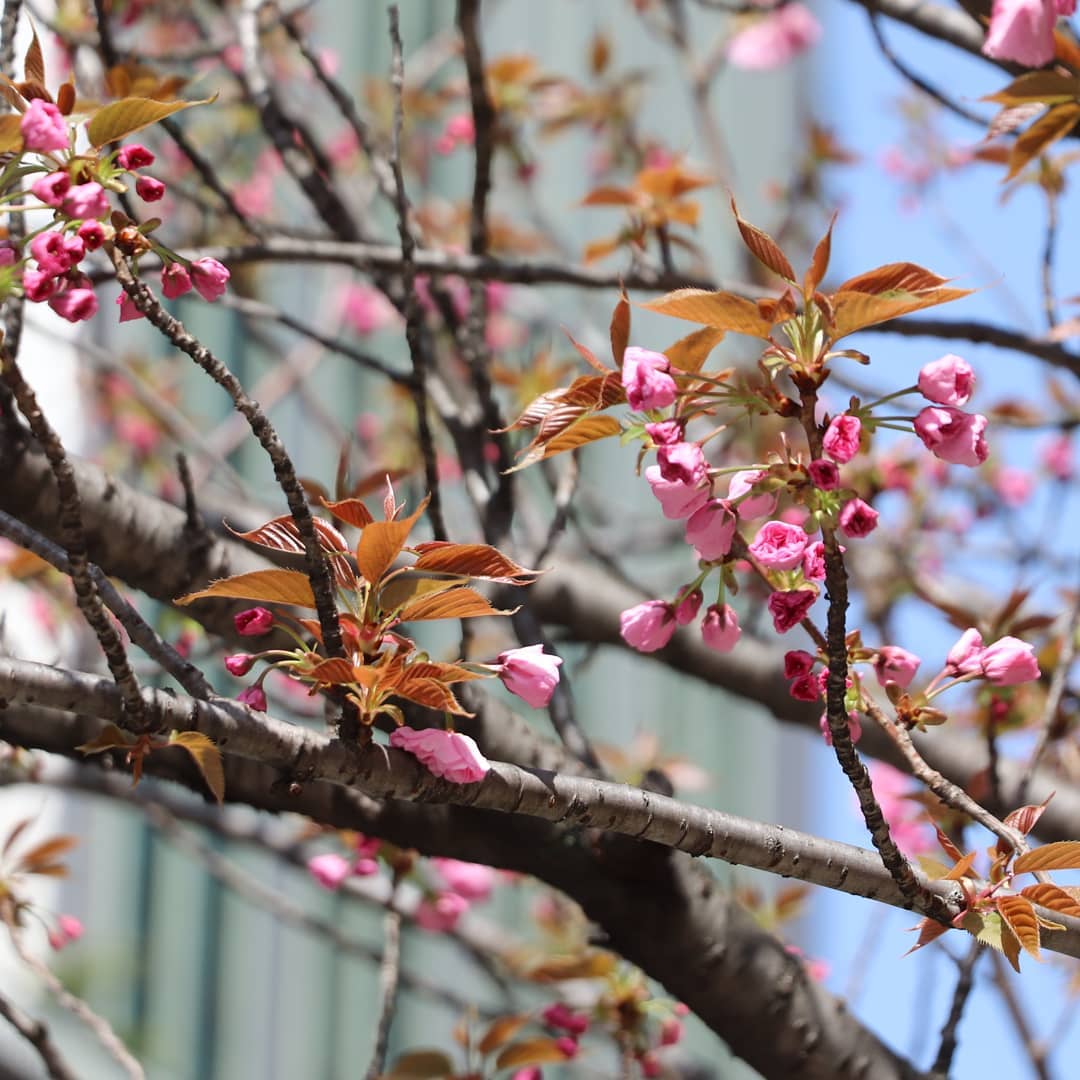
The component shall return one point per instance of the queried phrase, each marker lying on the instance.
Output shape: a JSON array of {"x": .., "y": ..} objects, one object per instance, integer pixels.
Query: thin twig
[
  {"x": 389, "y": 980},
  {"x": 98, "y": 1025},
  {"x": 413, "y": 314},
  {"x": 1034, "y": 1048},
  {"x": 964, "y": 983},
  {"x": 36, "y": 1033},
  {"x": 1049, "y": 249}
]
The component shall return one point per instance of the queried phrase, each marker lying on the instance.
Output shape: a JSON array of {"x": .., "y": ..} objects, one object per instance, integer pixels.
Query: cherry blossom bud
[
  {"x": 953, "y": 436},
  {"x": 779, "y": 546},
  {"x": 813, "y": 562},
  {"x": 858, "y": 518},
  {"x": 253, "y": 622},
  {"x": 824, "y": 474},
  {"x": 841, "y": 440},
  {"x": 788, "y": 609},
  {"x": 567, "y": 1046},
  {"x": 134, "y": 156},
  {"x": 805, "y": 688},
  {"x": 1009, "y": 661},
  {"x": 239, "y": 664},
  {"x": 665, "y": 432},
  {"x": 330, "y": 871},
  {"x": 175, "y": 280},
  {"x": 948, "y": 381},
  {"x": 68, "y": 929},
  {"x": 210, "y": 278},
  {"x": 710, "y": 529},
  {"x": 671, "y": 1031},
  {"x": 965, "y": 656},
  {"x": 149, "y": 190},
  {"x": 893, "y": 664},
  {"x": 441, "y": 913},
  {"x": 43, "y": 127},
  {"x": 720, "y": 628},
  {"x": 530, "y": 673},
  {"x": 254, "y": 696},
  {"x": 449, "y": 754},
  {"x": 688, "y": 607},
  {"x": 559, "y": 1016},
  {"x": 1057, "y": 457},
  {"x": 646, "y": 380},
  {"x": 647, "y": 626},
  {"x": 473, "y": 881}
]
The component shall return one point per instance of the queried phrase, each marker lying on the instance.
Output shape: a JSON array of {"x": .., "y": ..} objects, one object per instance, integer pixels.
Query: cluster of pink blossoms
[
  {"x": 460, "y": 885},
  {"x": 332, "y": 870},
  {"x": 682, "y": 482},
  {"x": 80, "y": 228}
]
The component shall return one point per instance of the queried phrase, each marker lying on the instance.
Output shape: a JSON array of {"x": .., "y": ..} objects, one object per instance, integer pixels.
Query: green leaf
[{"x": 122, "y": 118}]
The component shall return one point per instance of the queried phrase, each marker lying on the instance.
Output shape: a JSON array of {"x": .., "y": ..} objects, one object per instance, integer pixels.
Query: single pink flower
[
  {"x": 75, "y": 305},
  {"x": 805, "y": 688},
  {"x": 710, "y": 529},
  {"x": 841, "y": 439},
  {"x": 1013, "y": 485},
  {"x": 647, "y": 626},
  {"x": 530, "y": 673},
  {"x": 665, "y": 432},
  {"x": 134, "y": 156},
  {"x": 92, "y": 234},
  {"x": 175, "y": 280},
  {"x": 44, "y": 127},
  {"x": 687, "y": 609},
  {"x": 209, "y": 278},
  {"x": 440, "y": 913},
  {"x": 813, "y": 561},
  {"x": 51, "y": 189},
  {"x": 788, "y": 609},
  {"x": 239, "y": 664},
  {"x": 329, "y": 870},
  {"x": 953, "y": 436},
  {"x": 253, "y": 622},
  {"x": 473, "y": 881},
  {"x": 38, "y": 285},
  {"x": 966, "y": 655},
  {"x": 68, "y": 929},
  {"x": 149, "y": 190},
  {"x": 255, "y": 696},
  {"x": 447, "y": 754},
  {"x": 858, "y": 518},
  {"x": 682, "y": 463},
  {"x": 1021, "y": 30},
  {"x": 720, "y": 628},
  {"x": 366, "y": 309},
  {"x": 756, "y": 505},
  {"x": 798, "y": 662},
  {"x": 86, "y": 201},
  {"x": 947, "y": 381},
  {"x": 1057, "y": 457},
  {"x": 677, "y": 500},
  {"x": 891, "y": 787},
  {"x": 775, "y": 39},
  {"x": 779, "y": 546},
  {"x": 646, "y": 380},
  {"x": 1009, "y": 661},
  {"x": 824, "y": 474},
  {"x": 893, "y": 664},
  {"x": 56, "y": 253}
]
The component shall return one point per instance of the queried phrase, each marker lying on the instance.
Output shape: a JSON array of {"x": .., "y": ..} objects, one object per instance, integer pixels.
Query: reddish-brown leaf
[
  {"x": 271, "y": 586},
  {"x": 351, "y": 511},
  {"x": 381, "y": 543},
  {"x": 283, "y": 534},
  {"x": 500, "y": 1031},
  {"x": 459, "y": 603},
  {"x": 430, "y": 693},
  {"x": 1054, "y": 125},
  {"x": 1024, "y": 818},
  {"x": 725, "y": 311},
  {"x": 894, "y": 277},
  {"x": 819, "y": 264},
  {"x": 404, "y": 586},
  {"x": 962, "y": 867},
  {"x": 1049, "y": 87},
  {"x": 587, "y": 965},
  {"x": 610, "y": 196},
  {"x": 1019, "y": 916},
  {"x": 34, "y": 61},
  {"x": 587, "y": 430},
  {"x": 472, "y": 560},
  {"x": 620, "y": 328},
  {"x": 421, "y": 1065},
  {"x": 539, "y": 1051},
  {"x": 690, "y": 353},
  {"x": 856, "y": 310},
  {"x": 1063, "y": 855},
  {"x": 334, "y": 672},
  {"x": 11, "y": 140},
  {"x": 929, "y": 930},
  {"x": 46, "y": 853},
  {"x": 1053, "y": 897},
  {"x": 586, "y": 354},
  {"x": 207, "y": 758},
  {"x": 763, "y": 247},
  {"x": 109, "y": 738},
  {"x": 122, "y": 118}
]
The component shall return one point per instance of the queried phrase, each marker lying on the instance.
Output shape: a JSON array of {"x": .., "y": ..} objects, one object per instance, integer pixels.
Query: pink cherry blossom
[
  {"x": 255, "y": 696},
  {"x": 841, "y": 439},
  {"x": 530, "y": 673},
  {"x": 947, "y": 381},
  {"x": 813, "y": 561},
  {"x": 38, "y": 285},
  {"x": 779, "y": 546},
  {"x": 51, "y": 189},
  {"x": 1057, "y": 457},
  {"x": 824, "y": 474},
  {"x": 677, "y": 500},
  {"x": 149, "y": 190},
  {"x": 756, "y": 505},
  {"x": 75, "y": 305},
  {"x": 647, "y": 626},
  {"x": 1013, "y": 485},
  {"x": 86, "y": 201},
  {"x": 775, "y": 39},
  {"x": 1022, "y": 30},
  {"x": 798, "y": 662},
  {"x": 209, "y": 278},
  {"x": 448, "y": 754},
  {"x": 92, "y": 234},
  {"x": 646, "y": 380},
  {"x": 43, "y": 127},
  {"x": 805, "y": 688},
  {"x": 720, "y": 628},
  {"x": 687, "y": 609},
  {"x": 965, "y": 656},
  {"x": 1009, "y": 661},
  {"x": 366, "y": 309},
  {"x": 329, "y": 870},
  {"x": 788, "y": 609},
  {"x": 665, "y": 432},
  {"x": 953, "y": 436},
  {"x": 440, "y": 913},
  {"x": 893, "y": 664},
  {"x": 858, "y": 518},
  {"x": 710, "y": 529},
  {"x": 128, "y": 310},
  {"x": 253, "y": 622},
  {"x": 239, "y": 664},
  {"x": 891, "y": 787},
  {"x": 175, "y": 280},
  {"x": 682, "y": 463},
  {"x": 68, "y": 929},
  {"x": 134, "y": 156},
  {"x": 473, "y": 881}
]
